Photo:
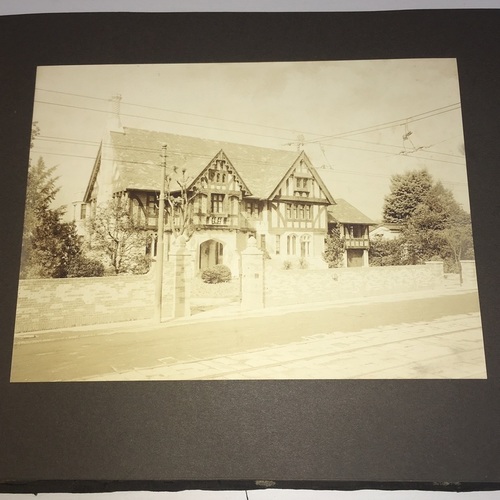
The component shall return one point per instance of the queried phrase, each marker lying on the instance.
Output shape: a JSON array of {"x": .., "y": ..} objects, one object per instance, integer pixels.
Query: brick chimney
[{"x": 114, "y": 121}]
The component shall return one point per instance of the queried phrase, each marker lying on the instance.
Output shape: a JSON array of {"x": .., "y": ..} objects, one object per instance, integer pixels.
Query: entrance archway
[{"x": 211, "y": 253}]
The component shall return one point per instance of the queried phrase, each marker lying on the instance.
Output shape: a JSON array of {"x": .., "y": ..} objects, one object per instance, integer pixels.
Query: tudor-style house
[
  {"x": 355, "y": 229},
  {"x": 235, "y": 191}
]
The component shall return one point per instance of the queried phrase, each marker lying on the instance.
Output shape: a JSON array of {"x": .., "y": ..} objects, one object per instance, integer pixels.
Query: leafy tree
[
  {"x": 116, "y": 235},
  {"x": 54, "y": 246},
  {"x": 51, "y": 247},
  {"x": 41, "y": 191},
  {"x": 49, "y": 244},
  {"x": 434, "y": 224},
  {"x": 408, "y": 191},
  {"x": 334, "y": 247}
]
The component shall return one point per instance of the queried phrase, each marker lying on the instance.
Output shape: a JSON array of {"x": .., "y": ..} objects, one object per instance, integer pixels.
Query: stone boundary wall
[
  {"x": 46, "y": 304},
  {"x": 301, "y": 286}
]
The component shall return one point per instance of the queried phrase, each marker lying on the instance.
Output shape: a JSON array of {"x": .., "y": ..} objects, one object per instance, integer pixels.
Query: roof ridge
[{"x": 215, "y": 141}]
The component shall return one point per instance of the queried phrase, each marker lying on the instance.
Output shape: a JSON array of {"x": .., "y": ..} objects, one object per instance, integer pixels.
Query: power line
[
  {"x": 163, "y": 120},
  {"x": 186, "y": 153},
  {"x": 142, "y": 150},
  {"x": 321, "y": 138},
  {"x": 387, "y": 154},
  {"x": 336, "y": 171},
  {"x": 178, "y": 112},
  {"x": 417, "y": 117},
  {"x": 394, "y": 123},
  {"x": 131, "y": 162},
  {"x": 399, "y": 147}
]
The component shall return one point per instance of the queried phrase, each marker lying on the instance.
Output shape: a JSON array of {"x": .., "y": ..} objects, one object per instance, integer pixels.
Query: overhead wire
[
  {"x": 150, "y": 164},
  {"x": 342, "y": 136},
  {"x": 321, "y": 138},
  {"x": 391, "y": 124},
  {"x": 161, "y": 120},
  {"x": 187, "y": 153},
  {"x": 157, "y": 108}
]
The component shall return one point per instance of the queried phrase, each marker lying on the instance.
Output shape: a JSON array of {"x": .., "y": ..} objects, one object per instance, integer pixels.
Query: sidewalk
[
  {"x": 223, "y": 312},
  {"x": 417, "y": 335},
  {"x": 447, "y": 348}
]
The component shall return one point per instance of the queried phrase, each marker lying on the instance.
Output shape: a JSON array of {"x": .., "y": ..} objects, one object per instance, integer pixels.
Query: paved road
[
  {"x": 131, "y": 353},
  {"x": 445, "y": 348}
]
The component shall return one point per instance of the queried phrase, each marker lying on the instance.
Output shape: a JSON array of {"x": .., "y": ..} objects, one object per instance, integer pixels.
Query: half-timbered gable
[
  {"x": 297, "y": 211},
  {"x": 218, "y": 193}
]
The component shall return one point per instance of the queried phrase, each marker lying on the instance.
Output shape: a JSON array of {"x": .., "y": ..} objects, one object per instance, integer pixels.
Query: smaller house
[
  {"x": 386, "y": 231},
  {"x": 355, "y": 228}
]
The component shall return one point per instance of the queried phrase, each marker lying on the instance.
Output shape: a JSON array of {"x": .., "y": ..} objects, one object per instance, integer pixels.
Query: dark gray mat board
[{"x": 171, "y": 435}]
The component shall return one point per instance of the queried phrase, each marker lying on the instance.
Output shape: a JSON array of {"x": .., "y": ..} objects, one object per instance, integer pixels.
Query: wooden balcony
[
  {"x": 208, "y": 221},
  {"x": 357, "y": 242}
]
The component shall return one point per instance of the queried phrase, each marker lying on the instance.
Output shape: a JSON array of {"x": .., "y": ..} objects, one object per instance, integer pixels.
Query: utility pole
[{"x": 159, "y": 239}]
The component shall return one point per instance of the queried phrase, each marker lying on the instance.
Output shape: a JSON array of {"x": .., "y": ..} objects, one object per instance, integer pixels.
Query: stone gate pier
[{"x": 252, "y": 276}]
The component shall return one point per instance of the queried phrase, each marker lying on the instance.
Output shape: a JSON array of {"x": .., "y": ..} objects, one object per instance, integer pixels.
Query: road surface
[{"x": 435, "y": 337}]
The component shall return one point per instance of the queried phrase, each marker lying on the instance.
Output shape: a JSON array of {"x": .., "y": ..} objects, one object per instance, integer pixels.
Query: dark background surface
[{"x": 313, "y": 432}]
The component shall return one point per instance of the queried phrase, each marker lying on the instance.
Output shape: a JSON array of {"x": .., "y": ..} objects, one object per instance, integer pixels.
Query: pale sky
[{"x": 269, "y": 104}]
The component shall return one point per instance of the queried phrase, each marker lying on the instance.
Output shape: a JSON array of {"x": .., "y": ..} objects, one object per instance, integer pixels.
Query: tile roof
[
  {"x": 344, "y": 212},
  {"x": 138, "y": 154}
]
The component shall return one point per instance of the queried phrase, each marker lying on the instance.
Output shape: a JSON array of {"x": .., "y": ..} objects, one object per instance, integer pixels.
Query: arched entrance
[{"x": 211, "y": 253}]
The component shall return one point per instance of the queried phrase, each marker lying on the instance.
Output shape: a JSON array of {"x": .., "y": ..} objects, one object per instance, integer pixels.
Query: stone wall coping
[
  {"x": 348, "y": 269},
  {"x": 89, "y": 279}
]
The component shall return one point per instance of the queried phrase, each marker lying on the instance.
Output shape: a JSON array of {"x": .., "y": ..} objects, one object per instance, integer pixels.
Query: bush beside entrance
[{"x": 216, "y": 274}]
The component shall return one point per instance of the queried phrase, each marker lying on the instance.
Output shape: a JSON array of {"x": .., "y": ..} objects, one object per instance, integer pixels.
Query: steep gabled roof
[
  {"x": 137, "y": 154},
  {"x": 93, "y": 176},
  {"x": 302, "y": 157},
  {"x": 345, "y": 213}
]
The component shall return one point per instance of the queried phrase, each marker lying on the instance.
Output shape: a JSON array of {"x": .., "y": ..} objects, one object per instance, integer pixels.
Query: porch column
[
  {"x": 344, "y": 259},
  {"x": 365, "y": 258}
]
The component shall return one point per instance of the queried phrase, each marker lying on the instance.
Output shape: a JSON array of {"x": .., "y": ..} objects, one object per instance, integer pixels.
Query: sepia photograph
[{"x": 248, "y": 221}]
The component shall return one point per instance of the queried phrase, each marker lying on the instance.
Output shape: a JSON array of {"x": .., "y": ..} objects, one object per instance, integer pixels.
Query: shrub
[
  {"x": 387, "y": 252},
  {"x": 334, "y": 247},
  {"x": 141, "y": 265},
  {"x": 287, "y": 264},
  {"x": 217, "y": 274},
  {"x": 82, "y": 267},
  {"x": 302, "y": 263}
]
